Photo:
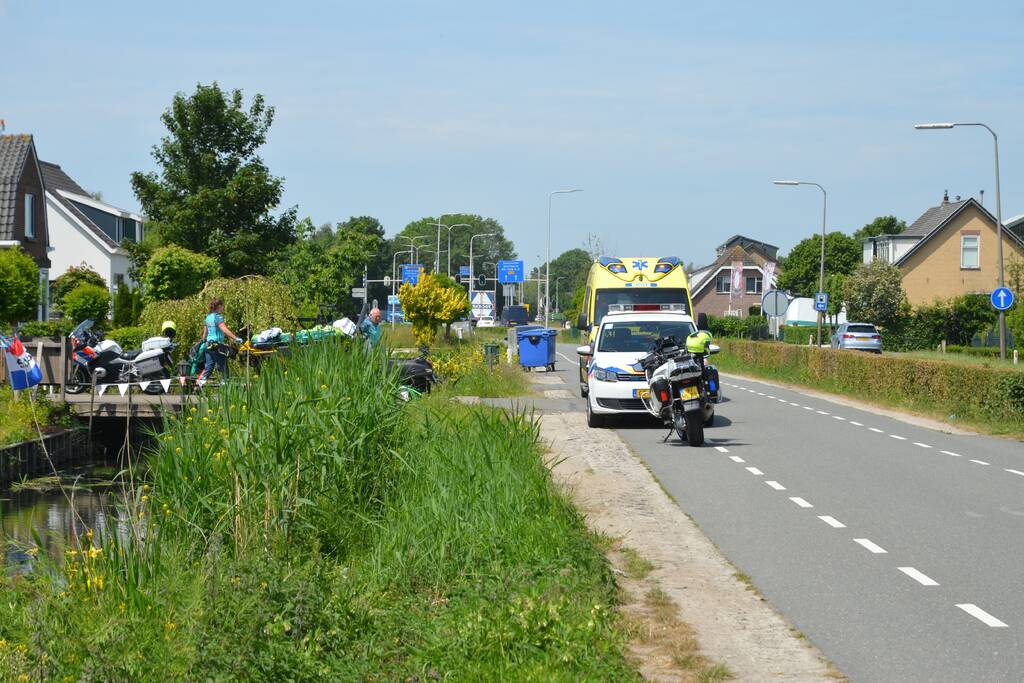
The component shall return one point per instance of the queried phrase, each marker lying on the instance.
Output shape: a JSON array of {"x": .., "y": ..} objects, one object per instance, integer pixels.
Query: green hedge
[
  {"x": 130, "y": 338},
  {"x": 986, "y": 351},
  {"x": 792, "y": 334},
  {"x": 741, "y": 328},
  {"x": 990, "y": 396}
]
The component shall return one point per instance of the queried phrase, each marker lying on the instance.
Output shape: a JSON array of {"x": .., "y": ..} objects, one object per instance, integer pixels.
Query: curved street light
[
  {"x": 999, "y": 217},
  {"x": 824, "y": 211}
]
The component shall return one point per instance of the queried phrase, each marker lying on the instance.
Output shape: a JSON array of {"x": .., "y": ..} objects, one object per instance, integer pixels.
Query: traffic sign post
[
  {"x": 775, "y": 303},
  {"x": 481, "y": 280},
  {"x": 464, "y": 271},
  {"x": 358, "y": 292},
  {"x": 411, "y": 273},
  {"x": 821, "y": 302},
  {"x": 1002, "y": 298}
]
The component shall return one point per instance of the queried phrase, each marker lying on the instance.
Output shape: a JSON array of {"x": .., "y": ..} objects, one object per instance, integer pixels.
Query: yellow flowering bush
[{"x": 431, "y": 303}]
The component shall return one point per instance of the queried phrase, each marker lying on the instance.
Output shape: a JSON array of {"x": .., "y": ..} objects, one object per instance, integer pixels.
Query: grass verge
[
  {"x": 987, "y": 399},
  {"x": 312, "y": 527}
]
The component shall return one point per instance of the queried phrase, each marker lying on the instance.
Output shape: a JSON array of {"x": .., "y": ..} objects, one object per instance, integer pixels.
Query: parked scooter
[
  {"x": 103, "y": 360},
  {"x": 679, "y": 380}
]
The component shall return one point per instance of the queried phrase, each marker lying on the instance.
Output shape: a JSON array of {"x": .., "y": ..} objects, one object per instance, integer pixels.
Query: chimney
[
  {"x": 945, "y": 197},
  {"x": 957, "y": 198},
  {"x": 982, "y": 192}
]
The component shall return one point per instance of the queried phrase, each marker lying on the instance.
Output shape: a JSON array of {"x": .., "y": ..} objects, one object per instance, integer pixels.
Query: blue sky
[{"x": 673, "y": 117}]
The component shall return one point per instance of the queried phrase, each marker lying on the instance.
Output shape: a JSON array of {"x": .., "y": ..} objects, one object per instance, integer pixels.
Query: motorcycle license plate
[
  {"x": 642, "y": 393},
  {"x": 689, "y": 393}
]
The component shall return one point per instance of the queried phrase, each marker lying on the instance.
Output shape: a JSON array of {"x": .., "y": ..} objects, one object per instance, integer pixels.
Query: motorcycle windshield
[{"x": 82, "y": 328}]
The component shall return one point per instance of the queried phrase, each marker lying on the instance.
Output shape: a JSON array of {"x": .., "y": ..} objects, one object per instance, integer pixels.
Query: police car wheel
[{"x": 593, "y": 419}]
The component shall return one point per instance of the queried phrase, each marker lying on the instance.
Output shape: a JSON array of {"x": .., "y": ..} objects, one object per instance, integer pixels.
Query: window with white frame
[
  {"x": 723, "y": 283},
  {"x": 882, "y": 251},
  {"x": 30, "y": 213},
  {"x": 754, "y": 284},
  {"x": 969, "y": 248}
]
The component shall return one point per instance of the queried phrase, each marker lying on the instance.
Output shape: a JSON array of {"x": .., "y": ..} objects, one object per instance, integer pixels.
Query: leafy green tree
[
  {"x": 87, "y": 301},
  {"x": 137, "y": 305},
  {"x": 323, "y": 267},
  {"x": 139, "y": 252},
  {"x": 174, "y": 272},
  {"x": 490, "y": 249},
  {"x": 214, "y": 194},
  {"x": 834, "y": 285},
  {"x": 967, "y": 316},
  {"x": 800, "y": 268},
  {"x": 874, "y": 294},
  {"x": 883, "y": 225},
  {"x": 72, "y": 278},
  {"x": 19, "y": 282},
  {"x": 572, "y": 266},
  {"x": 123, "y": 307}
]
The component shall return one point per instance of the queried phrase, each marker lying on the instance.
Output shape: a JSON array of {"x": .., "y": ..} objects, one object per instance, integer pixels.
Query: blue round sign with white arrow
[{"x": 1002, "y": 298}]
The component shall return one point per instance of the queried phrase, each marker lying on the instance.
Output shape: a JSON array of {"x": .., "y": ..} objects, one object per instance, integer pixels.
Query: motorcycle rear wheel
[{"x": 695, "y": 428}]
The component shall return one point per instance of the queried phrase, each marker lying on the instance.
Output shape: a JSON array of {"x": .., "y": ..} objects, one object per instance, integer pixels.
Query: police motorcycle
[
  {"x": 105, "y": 361},
  {"x": 683, "y": 387}
]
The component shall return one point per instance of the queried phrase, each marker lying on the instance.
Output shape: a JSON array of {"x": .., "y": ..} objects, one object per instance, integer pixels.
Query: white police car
[{"x": 626, "y": 334}]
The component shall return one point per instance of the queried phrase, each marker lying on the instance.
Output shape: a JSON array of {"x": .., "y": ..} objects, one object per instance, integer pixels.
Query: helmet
[
  {"x": 168, "y": 329},
  {"x": 698, "y": 342}
]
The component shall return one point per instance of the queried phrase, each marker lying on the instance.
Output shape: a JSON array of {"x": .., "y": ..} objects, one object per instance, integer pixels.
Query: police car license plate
[
  {"x": 689, "y": 394},
  {"x": 642, "y": 393}
]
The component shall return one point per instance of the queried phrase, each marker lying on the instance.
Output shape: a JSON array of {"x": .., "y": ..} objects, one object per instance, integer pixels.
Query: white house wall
[{"x": 72, "y": 245}]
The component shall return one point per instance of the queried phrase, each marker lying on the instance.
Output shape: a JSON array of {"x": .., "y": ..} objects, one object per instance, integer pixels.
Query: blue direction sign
[
  {"x": 821, "y": 302},
  {"x": 411, "y": 273},
  {"x": 510, "y": 271},
  {"x": 1002, "y": 298},
  {"x": 393, "y": 300},
  {"x": 464, "y": 271}
]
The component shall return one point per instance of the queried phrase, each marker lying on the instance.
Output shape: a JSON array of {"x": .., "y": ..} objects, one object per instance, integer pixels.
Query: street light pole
[
  {"x": 547, "y": 271},
  {"x": 999, "y": 218},
  {"x": 449, "y": 252},
  {"x": 412, "y": 243},
  {"x": 394, "y": 281},
  {"x": 824, "y": 211},
  {"x": 557, "y": 280}
]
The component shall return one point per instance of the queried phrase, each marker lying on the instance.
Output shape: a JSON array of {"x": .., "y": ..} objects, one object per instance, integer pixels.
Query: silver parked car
[{"x": 858, "y": 337}]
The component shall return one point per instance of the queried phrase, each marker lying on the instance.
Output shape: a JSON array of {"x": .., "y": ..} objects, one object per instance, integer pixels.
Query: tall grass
[{"x": 311, "y": 527}]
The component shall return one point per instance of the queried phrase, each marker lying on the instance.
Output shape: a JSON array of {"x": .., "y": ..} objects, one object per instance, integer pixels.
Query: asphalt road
[{"x": 897, "y": 550}]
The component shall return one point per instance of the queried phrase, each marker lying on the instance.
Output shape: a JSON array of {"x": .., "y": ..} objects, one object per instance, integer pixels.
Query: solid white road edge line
[
  {"x": 832, "y": 521},
  {"x": 776, "y": 485},
  {"x": 756, "y": 472},
  {"x": 981, "y": 615},
  {"x": 801, "y": 502},
  {"x": 873, "y": 547},
  {"x": 921, "y": 578}
]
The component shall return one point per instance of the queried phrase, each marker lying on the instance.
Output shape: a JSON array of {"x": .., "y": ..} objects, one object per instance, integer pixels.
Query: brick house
[
  {"x": 948, "y": 251},
  {"x": 23, "y": 208},
  {"x": 712, "y": 286}
]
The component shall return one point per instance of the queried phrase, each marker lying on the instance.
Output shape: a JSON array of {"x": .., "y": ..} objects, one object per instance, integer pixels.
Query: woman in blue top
[{"x": 216, "y": 329}]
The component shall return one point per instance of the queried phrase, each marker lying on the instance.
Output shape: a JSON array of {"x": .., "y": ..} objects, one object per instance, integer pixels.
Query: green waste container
[{"x": 490, "y": 355}]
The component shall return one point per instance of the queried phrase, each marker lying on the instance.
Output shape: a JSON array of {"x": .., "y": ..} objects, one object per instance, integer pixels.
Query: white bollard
[{"x": 1016, "y": 356}]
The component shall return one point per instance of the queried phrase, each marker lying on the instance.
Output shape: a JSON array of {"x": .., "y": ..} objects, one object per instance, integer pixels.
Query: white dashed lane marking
[
  {"x": 776, "y": 485},
  {"x": 918, "y": 576},
  {"x": 981, "y": 615},
  {"x": 955, "y": 455},
  {"x": 1015, "y": 472},
  {"x": 755, "y": 471},
  {"x": 821, "y": 412},
  {"x": 873, "y": 547},
  {"x": 856, "y": 424},
  {"x": 808, "y": 408},
  {"x": 922, "y": 445},
  {"x": 795, "y": 405},
  {"x": 836, "y": 417},
  {"x": 721, "y": 449},
  {"x": 875, "y": 429},
  {"x": 980, "y": 462},
  {"x": 801, "y": 502},
  {"x": 832, "y": 521},
  {"x": 736, "y": 458},
  {"x": 898, "y": 437}
]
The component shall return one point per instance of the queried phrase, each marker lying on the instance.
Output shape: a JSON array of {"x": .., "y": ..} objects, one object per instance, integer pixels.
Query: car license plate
[
  {"x": 642, "y": 393},
  {"x": 689, "y": 393}
]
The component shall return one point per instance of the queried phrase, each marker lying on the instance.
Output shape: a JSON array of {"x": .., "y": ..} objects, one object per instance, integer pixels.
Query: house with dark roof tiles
[
  {"x": 950, "y": 250},
  {"x": 23, "y": 219}
]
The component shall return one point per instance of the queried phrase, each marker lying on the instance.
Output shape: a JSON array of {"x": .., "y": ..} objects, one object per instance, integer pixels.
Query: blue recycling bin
[{"x": 537, "y": 347}]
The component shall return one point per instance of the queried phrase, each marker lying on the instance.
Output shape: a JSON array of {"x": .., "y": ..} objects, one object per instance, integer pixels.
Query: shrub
[
  {"x": 19, "y": 283},
  {"x": 87, "y": 301},
  {"x": 54, "y": 328},
  {"x": 123, "y": 306},
  {"x": 252, "y": 301},
  {"x": 74, "y": 276},
  {"x": 429, "y": 304},
  {"x": 743, "y": 328},
  {"x": 129, "y": 338},
  {"x": 174, "y": 272}
]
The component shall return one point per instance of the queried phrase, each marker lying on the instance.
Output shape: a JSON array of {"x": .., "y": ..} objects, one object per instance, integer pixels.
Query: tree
[
  {"x": 214, "y": 194},
  {"x": 174, "y": 272},
  {"x": 323, "y": 267},
  {"x": 490, "y": 249},
  {"x": 19, "y": 282},
  {"x": 800, "y": 268},
  {"x": 572, "y": 266},
  {"x": 139, "y": 252},
  {"x": 429, "y": 304},
  {"x": 883, "y": 225},
  {"x": 87, "y": 301},
  {"x": 123, "y": 307},
  {"x": 834, "y": 285},
  {"x": 72, "y": 278},
  {"x": 874, "y": 293}
]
